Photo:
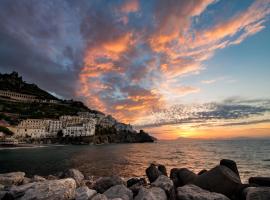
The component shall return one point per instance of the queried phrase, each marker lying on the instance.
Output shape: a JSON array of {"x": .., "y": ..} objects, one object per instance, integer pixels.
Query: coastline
[{"x": 221, "y": 182}]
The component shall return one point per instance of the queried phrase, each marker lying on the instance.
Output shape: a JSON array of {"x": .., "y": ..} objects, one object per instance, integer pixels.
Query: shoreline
[{"x": 221, "y": 182}]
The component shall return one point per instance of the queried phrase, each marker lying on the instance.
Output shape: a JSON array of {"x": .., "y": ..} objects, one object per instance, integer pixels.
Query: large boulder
[
  {"x": 13, "y": 178},
  {"x": 231, "y": 165},
  {"x": 260, "y": 193},
  {"x": 182, "y": 176},
  {"x": 18, "y": 191},
  {"x": 152, "y": 173},
  {"x": 162, "y": 169},
  {"x": 75, "y": 174},
  {"x": 220, "y": 179},
  {"x": 163, "y": 182},
  {"x": 104, "y": 183},
  {"x": 62, "y": 189},
  {"x": 84, "y": 193},
  {"x": 135, "y": 184},
  {"x": 261, "y": 181},
  {"x": 192, "y": 192},
  {"x": 136, "y": 181},
  {"x": 99, "y": 197},
  {"x": 119, "y": 191},
  {"x": 153, "y": 193}
]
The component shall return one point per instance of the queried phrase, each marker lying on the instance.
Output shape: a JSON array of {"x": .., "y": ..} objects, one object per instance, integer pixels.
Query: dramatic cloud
[
  {"x": 230, "y": 112},
  {"x": 125, "y": 58}
]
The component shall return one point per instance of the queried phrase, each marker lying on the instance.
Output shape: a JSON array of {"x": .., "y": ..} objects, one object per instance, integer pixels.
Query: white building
[
  {"x": 82, "y": 129},
  {"x": 107, "y": 121},
  {"x": 54, "y": 127},
  {"x": 124, "y": 127},
  {"x": 18, "y": 96}
]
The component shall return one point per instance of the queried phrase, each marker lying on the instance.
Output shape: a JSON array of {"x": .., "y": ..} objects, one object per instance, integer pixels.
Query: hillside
[
  {"x": 14, "y": 111},
  {"x": 14, "y": 83}
]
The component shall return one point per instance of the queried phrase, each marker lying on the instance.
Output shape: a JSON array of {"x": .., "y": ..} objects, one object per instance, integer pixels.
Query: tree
[
  {"x": 6, "y": 130},
  {"x": 60, "y": 133}
]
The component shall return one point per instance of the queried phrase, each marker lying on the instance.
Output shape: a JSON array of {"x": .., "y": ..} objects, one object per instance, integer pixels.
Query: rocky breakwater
[{"x": 219, "y": 183}]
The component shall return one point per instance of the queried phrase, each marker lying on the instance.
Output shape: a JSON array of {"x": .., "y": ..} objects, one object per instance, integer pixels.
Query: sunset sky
[{"x": 176, "y": 68}]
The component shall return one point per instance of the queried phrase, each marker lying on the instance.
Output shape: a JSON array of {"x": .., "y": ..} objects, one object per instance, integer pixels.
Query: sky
[{"x": 176, "y": 68}]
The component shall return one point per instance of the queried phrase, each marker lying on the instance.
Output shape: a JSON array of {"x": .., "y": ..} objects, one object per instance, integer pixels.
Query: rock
[
  {"x": 84, "y": 193},
  {"x": 163, "y": 182},
  {"x": 220, "y": 179},
  {"x": 152, "y": 173},
  {"x": 75, "y": 174},
  {"x": 2, "y": 194},
  {"x": 162, "y": 169},
  {"x": 13, "y": 178},
  {"x": 119, "y": 191},
  {"x": 104, "y": 183},
  {"x": 231, "y": 165},
  {"x": 133, "y": 181},
  {"x": 257, "y": 193},
  {"x": 62, "y": 189},
  {"x": 261, "y": 181},
  {"x": 192, "y": 192},
  {"x": 26, "y": 180},
  {"x": 37, "y": 178},
  {"x": 99, "y": 197},
  {"x": 182, "y": 176},
  {"x": 202, "y": 171},
  {"x": 18, "y": 191},
  {"x": 154, "y": 193},
  {"x": 52, "y": 177},
  {"x": 2, "y": 187},
  {"x": 135, "y": 184}
]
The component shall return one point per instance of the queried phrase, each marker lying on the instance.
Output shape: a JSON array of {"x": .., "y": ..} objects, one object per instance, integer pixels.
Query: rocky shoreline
[{"x": 219, "y": 183}]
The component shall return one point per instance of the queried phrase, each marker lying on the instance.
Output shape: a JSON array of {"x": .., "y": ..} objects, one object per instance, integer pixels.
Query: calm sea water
[{"x": 128, "y": 160}]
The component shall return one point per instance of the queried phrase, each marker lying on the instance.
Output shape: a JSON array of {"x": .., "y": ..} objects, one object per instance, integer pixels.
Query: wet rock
[
  {"x": 163, "y": 182},
  {"x": 13, "y": 178},
  {"x": 202, "y": 171},
  {"x": 99, "y": 197},
  {"x": 257, "y": 193},
  {"x": 192, "y": 192},
  {"x": 154, "y": 193},
  {"x": 84, "y": 193},
  {"x": 261, "y": 181},
  {"x": 152, "y": 173},
  {"x": 119, "y": 191},
  {"x": 162, "y": 169},
  {"x": 104, "y": 183},
  {"x": 182, "y": 176},
  {"x": 231, "y": 165},
  {"x": 75, "y": 174},
  {"x": 62, "y": 189},
  {"x": 37, "y": 178},
  {"x": 220, "y": 179},
  {"x": 133, "y": 181}
]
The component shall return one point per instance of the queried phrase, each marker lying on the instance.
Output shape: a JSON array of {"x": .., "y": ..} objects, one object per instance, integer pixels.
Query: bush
[{"x": 6, "y": 130}]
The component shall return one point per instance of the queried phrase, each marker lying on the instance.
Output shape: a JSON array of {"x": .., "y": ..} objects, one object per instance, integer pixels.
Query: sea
[{"x": 131, "y": 160}]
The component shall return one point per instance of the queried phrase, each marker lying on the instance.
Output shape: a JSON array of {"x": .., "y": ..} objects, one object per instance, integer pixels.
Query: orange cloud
[{"x": 130, "y": 6}]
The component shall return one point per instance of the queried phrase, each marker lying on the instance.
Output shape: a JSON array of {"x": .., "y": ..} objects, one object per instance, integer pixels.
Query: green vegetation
[
  {"x": 6, "y": 130},
  {"x": 39, "y": 110}
]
